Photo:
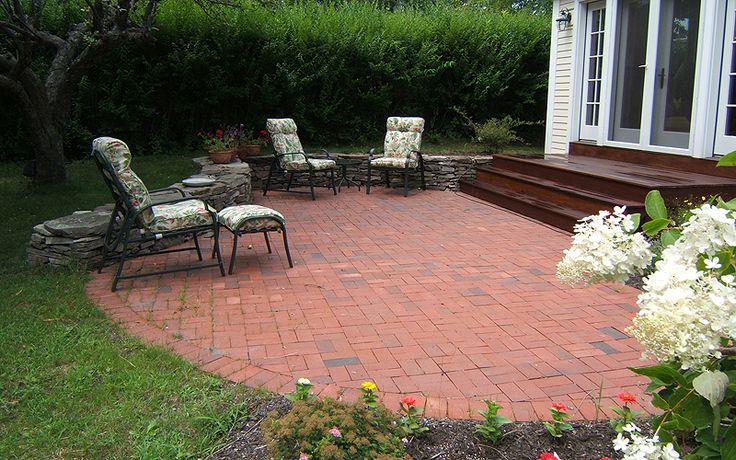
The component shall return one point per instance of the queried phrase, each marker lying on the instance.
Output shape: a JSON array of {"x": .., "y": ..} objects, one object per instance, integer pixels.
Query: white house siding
[{"x": 561, "y": 71}]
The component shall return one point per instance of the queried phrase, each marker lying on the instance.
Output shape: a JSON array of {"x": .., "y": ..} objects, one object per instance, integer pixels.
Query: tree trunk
[{"x": 48, "y": 142}]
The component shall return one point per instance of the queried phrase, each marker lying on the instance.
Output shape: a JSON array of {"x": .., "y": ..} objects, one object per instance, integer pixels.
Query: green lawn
[{"x": 74, "y": 385}]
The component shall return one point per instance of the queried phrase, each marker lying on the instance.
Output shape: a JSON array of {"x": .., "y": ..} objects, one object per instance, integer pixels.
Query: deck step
[{"x": 556, "y": 215}]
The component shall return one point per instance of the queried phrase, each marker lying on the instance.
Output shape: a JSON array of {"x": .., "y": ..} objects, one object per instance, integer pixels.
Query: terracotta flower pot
[
  {"x": 222, "y": 156},
  {"x": 250, "y": 150}
]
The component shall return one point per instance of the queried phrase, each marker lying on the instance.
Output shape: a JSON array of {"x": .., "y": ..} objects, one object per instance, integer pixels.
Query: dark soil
[{"x": 450, "y": 440}]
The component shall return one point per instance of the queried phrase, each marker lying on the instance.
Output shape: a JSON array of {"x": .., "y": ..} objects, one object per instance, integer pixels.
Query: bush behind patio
[{"x": 339, "y": 70}]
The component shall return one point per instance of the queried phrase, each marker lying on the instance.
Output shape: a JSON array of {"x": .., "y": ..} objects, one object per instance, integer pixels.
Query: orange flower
[
  {"x": 626, "y": 397},
  {"x": 409, "y": 401}
]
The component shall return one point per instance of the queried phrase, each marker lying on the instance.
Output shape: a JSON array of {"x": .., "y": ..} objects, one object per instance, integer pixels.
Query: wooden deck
[{"x": 559, "y": 191}]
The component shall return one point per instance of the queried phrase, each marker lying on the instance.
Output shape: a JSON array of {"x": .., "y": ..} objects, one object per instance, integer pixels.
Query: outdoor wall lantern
[{"x": 564, "y": 19}]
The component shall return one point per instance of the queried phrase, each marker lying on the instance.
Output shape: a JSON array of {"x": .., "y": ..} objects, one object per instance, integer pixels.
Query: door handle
[{"x": 661, "y": 78}]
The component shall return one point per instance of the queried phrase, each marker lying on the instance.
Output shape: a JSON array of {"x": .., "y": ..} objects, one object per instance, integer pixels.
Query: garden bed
[{"x": 450, "y": 440}]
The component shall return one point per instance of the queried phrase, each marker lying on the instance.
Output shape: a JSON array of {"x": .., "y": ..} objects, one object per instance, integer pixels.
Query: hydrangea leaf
[
  {"x": 663, "y": 373},
  {"x": 654, "y": 205},
  {"x": 728, "y": 160},
  {"x": 668, "y": 237},
  {"x": 712, "y": 386},
  {"x": 654, "y": 226},
  {"x": 728, "y": 448}
]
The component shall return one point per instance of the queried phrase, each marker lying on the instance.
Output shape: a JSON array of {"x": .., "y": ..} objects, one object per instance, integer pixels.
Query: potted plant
[
  {"x": 251, "y": 146},
  {"x": 221, "y": 144}
]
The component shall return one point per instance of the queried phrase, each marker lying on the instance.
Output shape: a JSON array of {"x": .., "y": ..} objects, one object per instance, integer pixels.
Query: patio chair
[
  {"x": 289, "y": 157},
  {"x": 137, "y": 219},
  {"x": 400, "y": 151}
]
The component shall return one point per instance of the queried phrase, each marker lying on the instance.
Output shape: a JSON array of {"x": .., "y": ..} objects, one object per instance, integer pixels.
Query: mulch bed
[{"x": 450, "y": 440}]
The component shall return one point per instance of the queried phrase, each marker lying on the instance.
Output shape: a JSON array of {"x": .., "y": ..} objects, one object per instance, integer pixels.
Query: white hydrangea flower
[
  {"x": 638, "y": 447},
  {"x": 685, "y": 312},
  {"x": 605, "y": 249}
]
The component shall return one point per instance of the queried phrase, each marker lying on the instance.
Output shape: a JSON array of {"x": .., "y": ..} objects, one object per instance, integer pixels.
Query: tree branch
[{"x": 728, "y": 351}]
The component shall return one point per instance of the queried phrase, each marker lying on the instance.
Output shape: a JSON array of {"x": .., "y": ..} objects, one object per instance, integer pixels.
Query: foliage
[
  {"x": 687, "y": 322},
  {"x": 496, "y": 134},
  {"x": 326, "y": 429},
  {"x": 368, "y": 394},
  {"x": 301, "y": 392},
  {"x": 338, "y": 69},
  {"x": 490, "y": 429},
  {"x": 625, "y": 414},
  {"x": 409, "y": 421},
  {"x": 558, "y": 425}
]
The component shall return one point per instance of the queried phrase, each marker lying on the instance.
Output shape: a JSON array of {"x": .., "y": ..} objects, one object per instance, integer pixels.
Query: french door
[
  {"x": 725, "y": 140},
  {"x": 595, "y": 29}
]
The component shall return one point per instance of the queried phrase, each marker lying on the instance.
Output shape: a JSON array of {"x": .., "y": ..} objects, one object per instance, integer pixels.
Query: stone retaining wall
[
  {"x": 78, "y": 238},
  {"x": 442, "y": 172}
]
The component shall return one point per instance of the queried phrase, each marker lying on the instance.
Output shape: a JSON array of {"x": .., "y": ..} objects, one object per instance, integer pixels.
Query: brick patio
[{"x": 435, "y": 295}]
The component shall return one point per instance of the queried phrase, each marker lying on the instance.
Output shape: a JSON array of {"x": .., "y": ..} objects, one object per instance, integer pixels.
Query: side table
[{"x": 343, "y": 161}]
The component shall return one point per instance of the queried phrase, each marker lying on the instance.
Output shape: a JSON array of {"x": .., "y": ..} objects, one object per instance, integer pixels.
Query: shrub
[
  {"x": 495, "y": 134},
  {"x": 328, "y": 430}
]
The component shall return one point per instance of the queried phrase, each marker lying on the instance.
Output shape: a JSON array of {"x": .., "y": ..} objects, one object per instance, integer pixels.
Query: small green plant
[
  {"x": 491, "y": 428},
  {"x": 328, "y": 430},
  {"x": 625, "y": 413},
  {"x": 558, "y": 425},
  {"x": 370, "y": 398},
  {"x": 409, "y": 422},
  {"x": 495, "y": 134},
  {"x": 301, "y": 393}
]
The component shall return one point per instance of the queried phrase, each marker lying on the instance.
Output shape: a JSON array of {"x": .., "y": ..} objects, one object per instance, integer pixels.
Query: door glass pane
[
  {"x": 630, "y": 70},
  {"x": 595, "y": 64},
  {"x": 680, "y": 73}
]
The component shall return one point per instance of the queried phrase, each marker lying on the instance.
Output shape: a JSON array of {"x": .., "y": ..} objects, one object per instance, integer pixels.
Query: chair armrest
[
  {"x": 372, "y": 153},
  {"x": 169, "y": 189}
]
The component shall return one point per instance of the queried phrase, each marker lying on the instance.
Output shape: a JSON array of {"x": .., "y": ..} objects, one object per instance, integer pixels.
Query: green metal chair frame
[{"x": 127, "y": 227}]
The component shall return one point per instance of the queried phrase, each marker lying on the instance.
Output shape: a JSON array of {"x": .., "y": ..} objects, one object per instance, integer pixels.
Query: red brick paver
[{"x": 435, "y": 295}]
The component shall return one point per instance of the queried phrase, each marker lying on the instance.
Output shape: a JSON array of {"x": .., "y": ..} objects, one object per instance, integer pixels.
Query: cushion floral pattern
[
  {"x": 403, "y": 135},
  {"x": 184, "y": 214},
  {"x": 317, "y": 164},
  {"x": 392, "y": 162},
  {"x": 285, "y": 140},
  {"x": 118, "y": 154},
  {"x": 250, "y": 218}
]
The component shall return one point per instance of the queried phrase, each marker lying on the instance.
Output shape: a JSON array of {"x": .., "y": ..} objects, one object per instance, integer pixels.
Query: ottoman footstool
[{"x": 252, "y": 218}]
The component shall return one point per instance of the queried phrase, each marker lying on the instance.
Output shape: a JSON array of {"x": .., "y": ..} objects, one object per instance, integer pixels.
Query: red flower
[
  {"x": 409, "y": 401},
  {"x": 264, "y": 132},
  {"x": 548, "y": 456},
  {"x": 219, "y": 133},
  {"x": 626, "y": 397},
  {"x": 604, "y": 458},
  {"x": 560, "y": 407}
]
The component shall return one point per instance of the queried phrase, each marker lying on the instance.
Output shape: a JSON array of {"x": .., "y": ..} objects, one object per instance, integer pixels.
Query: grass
[{"x": 72, "y": 384}]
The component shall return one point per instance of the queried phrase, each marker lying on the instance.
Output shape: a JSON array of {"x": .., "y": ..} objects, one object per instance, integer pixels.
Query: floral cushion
[
  {"x": 393, "y": 162},
  {"x": 115, "y": 150},
  {"x": 183, "y": 214},
  {"x": 250, "y": 218},
  {"x": 403, "y": 135},
  {"x": 317, "y": 164},
  {"x": 118, "y": 154},
  {"x": 284, "y": 139}
]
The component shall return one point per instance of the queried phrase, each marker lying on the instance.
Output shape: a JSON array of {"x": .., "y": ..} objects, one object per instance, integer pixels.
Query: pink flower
[
  {"x": 335, "y": 432},
  {"x": 626, "y": 397},
  {"x": 558, "y": 406},
  {"x": 303, "y": 456},
  {"x": 409, "y": 401}
]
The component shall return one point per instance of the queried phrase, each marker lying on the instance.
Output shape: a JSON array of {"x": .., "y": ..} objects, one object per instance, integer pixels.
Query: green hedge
[{"x": 338, "y": 70}]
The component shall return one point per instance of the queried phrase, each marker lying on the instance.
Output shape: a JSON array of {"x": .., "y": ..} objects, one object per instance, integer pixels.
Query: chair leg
[
  {"x": 286, "y": 246},
  {"x": 216, "y": 249},
  {"x": 268, "y": 242},
  {"x": 119, "y": 271},
  {"x": 332, "y": 180},
  {"x": 368, "y": 182},
  {"x": 406, "y": 183},
  {"x": 196, "y": 245},
  {"x": 268, "y": 181},
  {"x": 288, "y": 185},
  {"x": 232, "y": 255},
  {"x": 311, "y": 184},
  {"x": 108, "y": 237}
]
